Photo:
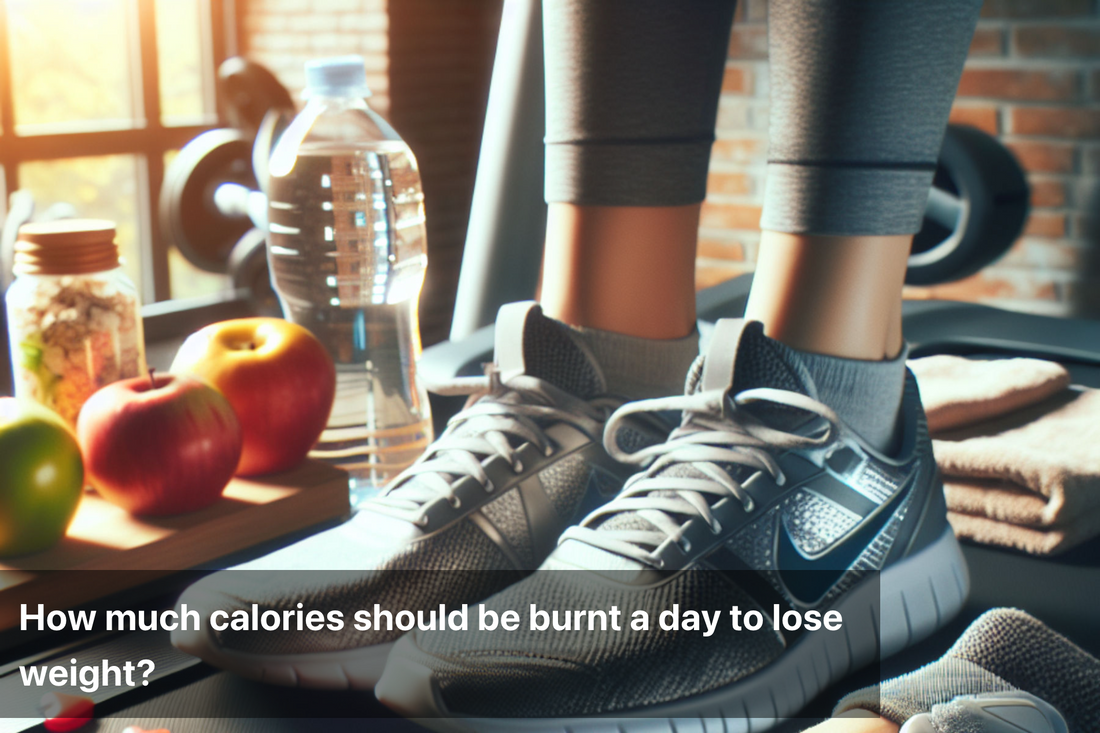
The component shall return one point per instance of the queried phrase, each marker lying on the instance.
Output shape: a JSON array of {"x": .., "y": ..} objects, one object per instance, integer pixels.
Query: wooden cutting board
[{"x": 104, "y": 537}]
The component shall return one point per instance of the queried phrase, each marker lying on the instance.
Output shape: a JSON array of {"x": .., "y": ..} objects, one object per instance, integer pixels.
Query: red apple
[
  {"x": 279, "y": 378},
  {"x": 159, "y": 445}
]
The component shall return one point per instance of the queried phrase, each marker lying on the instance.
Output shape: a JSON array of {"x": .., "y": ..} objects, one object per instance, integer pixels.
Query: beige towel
[
  {"x": 957, "y": 391},
  {"x": 1025, "y": 478},
  {"x": 1035, "y": 540},
  {"x": 1036, "y": 469}
]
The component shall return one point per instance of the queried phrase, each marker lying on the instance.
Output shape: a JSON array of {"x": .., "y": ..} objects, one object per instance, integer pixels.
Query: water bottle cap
[{"x": 339, "y": 76}]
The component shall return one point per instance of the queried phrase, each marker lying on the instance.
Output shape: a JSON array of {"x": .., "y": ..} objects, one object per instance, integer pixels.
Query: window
[{"x": 95, "y": 98}]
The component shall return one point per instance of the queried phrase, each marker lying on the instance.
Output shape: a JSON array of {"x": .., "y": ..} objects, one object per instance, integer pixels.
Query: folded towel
[
  {"x": 957, "y": 391},
  {"x": 1018, "y": 450},
  {"x": 1036, "y": 468},
  {"x": 1050, "y": 541}
]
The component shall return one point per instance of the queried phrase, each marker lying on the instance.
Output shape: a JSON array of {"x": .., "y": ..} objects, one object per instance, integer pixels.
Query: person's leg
[
  {"x": 860, "y": 97},
  {"x": 627, "y": 269},
  {"x": 632, "y": 95},
  {"x": 861, "y": 93},
  {"x": 830, "y": 294}
]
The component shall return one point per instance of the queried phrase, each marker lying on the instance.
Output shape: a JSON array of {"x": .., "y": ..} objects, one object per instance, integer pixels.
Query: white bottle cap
[{"x": 339, "y": 76}]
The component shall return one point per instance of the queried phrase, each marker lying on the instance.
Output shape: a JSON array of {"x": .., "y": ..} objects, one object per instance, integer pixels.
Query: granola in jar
[{"x": 73, "y": 315}]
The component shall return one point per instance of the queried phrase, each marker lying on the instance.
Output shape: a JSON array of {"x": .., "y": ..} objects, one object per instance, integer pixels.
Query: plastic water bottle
[{"x": 346, "y": 247}]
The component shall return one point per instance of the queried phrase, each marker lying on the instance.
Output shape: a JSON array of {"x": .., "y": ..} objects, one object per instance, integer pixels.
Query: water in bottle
[{"x": 346, "y": 248}]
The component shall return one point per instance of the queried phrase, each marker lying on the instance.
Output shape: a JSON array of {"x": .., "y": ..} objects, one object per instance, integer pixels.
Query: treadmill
[{"x": 500, "y": 265}]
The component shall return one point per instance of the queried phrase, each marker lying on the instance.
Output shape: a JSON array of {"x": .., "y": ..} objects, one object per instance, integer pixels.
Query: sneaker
[
  {"x": 762, "y": 497},
  {"x": 480, "y": 509},
  {"x": 1007, "y": 673}
]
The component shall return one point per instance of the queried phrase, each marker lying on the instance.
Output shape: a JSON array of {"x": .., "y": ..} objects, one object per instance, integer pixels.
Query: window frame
[{"x": 148, "y": 140}]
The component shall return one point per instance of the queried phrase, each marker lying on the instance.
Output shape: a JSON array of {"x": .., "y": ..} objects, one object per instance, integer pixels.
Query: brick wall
[
  {"x": 284, "y": 34},
  {"x": 1032, "y": 78}
]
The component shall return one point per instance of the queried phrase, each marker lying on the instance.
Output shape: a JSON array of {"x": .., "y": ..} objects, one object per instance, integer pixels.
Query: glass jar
[{"x": 74, "y": 317}]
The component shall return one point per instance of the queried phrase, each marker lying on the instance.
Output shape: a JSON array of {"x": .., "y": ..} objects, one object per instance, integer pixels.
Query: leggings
[{"x": 860, "y": 95}]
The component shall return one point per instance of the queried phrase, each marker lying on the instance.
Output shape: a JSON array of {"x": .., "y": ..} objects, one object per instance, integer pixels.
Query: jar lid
[{"x": 66, "y": 247}]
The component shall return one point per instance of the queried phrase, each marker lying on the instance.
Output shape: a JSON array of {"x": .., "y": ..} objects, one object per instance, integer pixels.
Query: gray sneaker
[
  {"x": 480, "y": 509},
  {"x": 763, "y": 501}
]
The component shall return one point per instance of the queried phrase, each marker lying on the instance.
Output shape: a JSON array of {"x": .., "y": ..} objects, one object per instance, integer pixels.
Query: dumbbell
[
  {"x": 212, "y": 205},
  {"x": 976, "y": 208}
]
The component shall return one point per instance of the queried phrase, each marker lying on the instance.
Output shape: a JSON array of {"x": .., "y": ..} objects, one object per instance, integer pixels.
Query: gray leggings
[{"x": 860, "y": 94}]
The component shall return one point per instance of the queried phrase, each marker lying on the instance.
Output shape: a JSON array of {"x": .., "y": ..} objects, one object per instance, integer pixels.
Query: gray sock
[
  {"x": 865, "y": 394},
  {"x": 1002, "y": 651},
  {"x": 640, "y": 368}
]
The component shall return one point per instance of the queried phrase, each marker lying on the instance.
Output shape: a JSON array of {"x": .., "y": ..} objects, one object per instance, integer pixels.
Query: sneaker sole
[
  {"x": 912, "y": 598},
  {"x": 350, "y": 669}
]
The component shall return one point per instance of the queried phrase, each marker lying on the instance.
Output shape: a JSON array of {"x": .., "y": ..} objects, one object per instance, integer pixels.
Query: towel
[
  {"x": 957, "y": 391},
  {"x": 1018, "y": 449}
]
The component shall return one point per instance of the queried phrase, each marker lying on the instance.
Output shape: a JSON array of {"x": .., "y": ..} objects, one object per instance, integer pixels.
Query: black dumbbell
[
  {"x": 976, "y": 208},
  {"x": 212, "y": 203}
]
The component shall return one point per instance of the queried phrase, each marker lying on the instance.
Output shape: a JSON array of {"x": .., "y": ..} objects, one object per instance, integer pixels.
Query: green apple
[{"x": 41, "y": 477}]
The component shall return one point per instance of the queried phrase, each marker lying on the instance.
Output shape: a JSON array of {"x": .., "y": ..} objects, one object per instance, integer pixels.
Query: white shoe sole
[
  {"x": 911, "y": 599},
  {"x": 350, "y": 669}
]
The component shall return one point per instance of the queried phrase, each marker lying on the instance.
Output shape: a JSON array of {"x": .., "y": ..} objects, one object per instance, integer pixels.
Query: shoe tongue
[
  {"x": 741, "y": 357},
  {"x": 527, "y": 342}
]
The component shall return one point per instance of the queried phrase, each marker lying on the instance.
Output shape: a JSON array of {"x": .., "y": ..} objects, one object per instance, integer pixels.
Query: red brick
[
  {"x": 1019, "y": 84},
  {"x": 314, "y": 22},
  {"x": 1046, "y": 225},
  {"x": 1056, "y": 41},
  {"x": 985, "y": 117},
  {"x": 265, "y": 23},
  {"x": 1035, "y": 8},
  {"x": 1043, "y": 157},
  {"x": 709, "y": 275},
  {"x": 755, "y": 10},
  {"x": 730, "y": 216},
  {"x": 740, "y": 150},
  {"x": 729, "y": 184},
  {"x": 281, "y": 42},
  {"x": 1048, "y": 193},
  {"x": 735, "y": 118},
  {"x": 987, "y": 42},
  {"x": 335, "y": 6},
  {"x": 1056, "y": 121},
  {"x": 721, "y": 249},
  {"x": 280, "y": 6},
  {"x": 749, "y": 42},
  {"x": 737, "y": 80},
  {"x": 1043, "y": 254}
]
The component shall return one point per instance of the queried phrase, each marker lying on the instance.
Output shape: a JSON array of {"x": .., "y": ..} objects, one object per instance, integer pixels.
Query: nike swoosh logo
[{"x": 808, "y": 579}]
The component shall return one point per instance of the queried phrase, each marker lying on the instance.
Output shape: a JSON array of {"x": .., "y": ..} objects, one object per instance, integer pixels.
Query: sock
[
  {"x": 588, "y": 362},
  {"x": 1004, "y": 650},
  {"x": 640, "y": 368},
  {"x": 865, "y": 394}
]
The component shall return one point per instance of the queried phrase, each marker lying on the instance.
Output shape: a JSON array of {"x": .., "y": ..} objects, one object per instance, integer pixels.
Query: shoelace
[
  {"x": 522, "y": 408},
  {"x": 713, "y": 431}
]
